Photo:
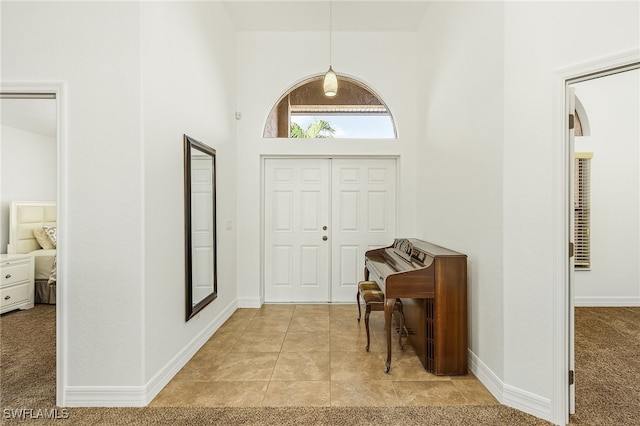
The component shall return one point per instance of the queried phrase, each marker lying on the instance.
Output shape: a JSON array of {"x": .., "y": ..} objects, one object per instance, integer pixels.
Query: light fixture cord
[{"x": 330, "y": 28}]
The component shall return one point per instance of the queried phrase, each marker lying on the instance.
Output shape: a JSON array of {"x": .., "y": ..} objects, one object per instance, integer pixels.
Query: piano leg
[{"x": 388, "y": 317}]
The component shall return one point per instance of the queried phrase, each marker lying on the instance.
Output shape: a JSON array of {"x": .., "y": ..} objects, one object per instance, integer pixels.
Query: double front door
[{"x": 321, "y": 216}]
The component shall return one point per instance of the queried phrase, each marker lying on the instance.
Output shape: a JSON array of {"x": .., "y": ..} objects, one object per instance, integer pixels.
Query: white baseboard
[
  {"x": 164, "y": 376},
  {"x": 105, "y": 396},
  {"x": 140, "y": 396},
  {"x": 527, "y": 402},
  {"x": 603, "y": 301},
  {"x": 485, "y": 375},
  {"x": 509, "y": 395}
]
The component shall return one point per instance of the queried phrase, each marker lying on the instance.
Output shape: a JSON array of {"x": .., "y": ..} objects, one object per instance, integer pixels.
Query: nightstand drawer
[
  {"x": 15, "y": 272},
  {"x": 16, "y": 294}
]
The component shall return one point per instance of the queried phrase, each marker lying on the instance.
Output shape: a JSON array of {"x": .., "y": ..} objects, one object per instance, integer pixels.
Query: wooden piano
[{"x": 432, "y": 283}]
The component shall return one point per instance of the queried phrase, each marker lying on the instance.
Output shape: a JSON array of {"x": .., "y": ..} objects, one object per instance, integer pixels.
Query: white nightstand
[{"x": 16, "y": 287}]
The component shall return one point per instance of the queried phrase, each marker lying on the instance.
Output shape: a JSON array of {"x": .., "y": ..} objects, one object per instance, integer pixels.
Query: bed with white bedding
[{"x": 33, "y": 230}]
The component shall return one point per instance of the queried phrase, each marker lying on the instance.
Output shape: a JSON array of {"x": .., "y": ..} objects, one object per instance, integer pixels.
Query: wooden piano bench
[
  {"x": 374, "y": 301},
  {"x": 362, "y": 286}
]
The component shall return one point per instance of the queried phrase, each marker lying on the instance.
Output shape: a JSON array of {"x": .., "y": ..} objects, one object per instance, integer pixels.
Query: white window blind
[{"x": 582, "y": 210}]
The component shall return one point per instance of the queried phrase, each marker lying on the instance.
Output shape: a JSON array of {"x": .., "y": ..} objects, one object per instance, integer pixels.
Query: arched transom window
[{"x": 355, "y": 112}]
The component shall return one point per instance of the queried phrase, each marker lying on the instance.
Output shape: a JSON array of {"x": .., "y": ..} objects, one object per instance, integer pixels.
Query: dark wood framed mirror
[{"x": 200, "y": 225}]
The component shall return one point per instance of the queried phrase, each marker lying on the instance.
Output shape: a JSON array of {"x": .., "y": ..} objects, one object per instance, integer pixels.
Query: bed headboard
[{"x": 24, "y": 217}]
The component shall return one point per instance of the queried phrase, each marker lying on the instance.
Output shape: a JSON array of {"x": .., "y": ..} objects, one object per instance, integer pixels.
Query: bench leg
[
  {"x": 358, "y": 302},
  {"x": 366, "y": 324}
]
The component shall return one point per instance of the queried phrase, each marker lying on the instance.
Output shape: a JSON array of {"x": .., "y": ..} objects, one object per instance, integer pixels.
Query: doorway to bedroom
[
  {"x": 607, "y": 166},
  {"x": 30, "y": 135}
]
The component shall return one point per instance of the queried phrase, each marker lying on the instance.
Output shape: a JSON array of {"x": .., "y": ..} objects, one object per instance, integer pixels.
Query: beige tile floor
[{"x": 310, "y": 355}]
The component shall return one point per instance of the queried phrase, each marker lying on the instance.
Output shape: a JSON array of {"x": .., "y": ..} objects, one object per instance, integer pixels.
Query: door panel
[
  {"x": 364, "y": 217},
  {"x": 296, "y": 209}
]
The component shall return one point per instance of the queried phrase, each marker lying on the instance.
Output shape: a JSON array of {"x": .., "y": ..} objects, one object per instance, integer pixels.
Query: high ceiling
[
  {"x": 263, "y": 15},
  {"x": 348, "y": 15}
]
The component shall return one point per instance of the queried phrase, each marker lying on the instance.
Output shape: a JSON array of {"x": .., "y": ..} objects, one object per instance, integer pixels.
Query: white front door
[
  {"x": 320, "y": 217},
  {"x": 363, "y": 217},
  {"x": 296, "y": 211}
]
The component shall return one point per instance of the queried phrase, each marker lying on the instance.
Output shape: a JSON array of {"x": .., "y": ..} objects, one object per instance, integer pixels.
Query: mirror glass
[{"x": 200, "y": 225}]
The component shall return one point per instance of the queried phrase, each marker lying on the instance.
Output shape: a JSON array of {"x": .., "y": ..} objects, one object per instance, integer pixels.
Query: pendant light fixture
[{"x": 330, "y": 84}]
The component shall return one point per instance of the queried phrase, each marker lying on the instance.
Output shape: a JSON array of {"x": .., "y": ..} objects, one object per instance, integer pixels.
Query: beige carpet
[
  {"x": 607, "y": 366},
  {"x": 608, "y": 393}
]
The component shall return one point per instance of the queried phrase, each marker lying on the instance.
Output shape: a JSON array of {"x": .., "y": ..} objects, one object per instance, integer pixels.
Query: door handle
[{"x": 325, "y": 238}]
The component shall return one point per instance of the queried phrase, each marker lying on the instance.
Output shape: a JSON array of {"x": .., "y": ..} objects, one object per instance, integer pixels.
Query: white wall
[
  {"x": 137, "y": 76},
  {"x": 460, "y": 156},
  {"x": 189, "y": 88},
  {"x": 29, "y": 163},
  {"x": 94, "y": 48},
  {"x": 540, "y": 39},
  {"x": 488, "y": 109},
  {"x": 266, "y": 71},
  {"x": 613, "y": 107}
]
